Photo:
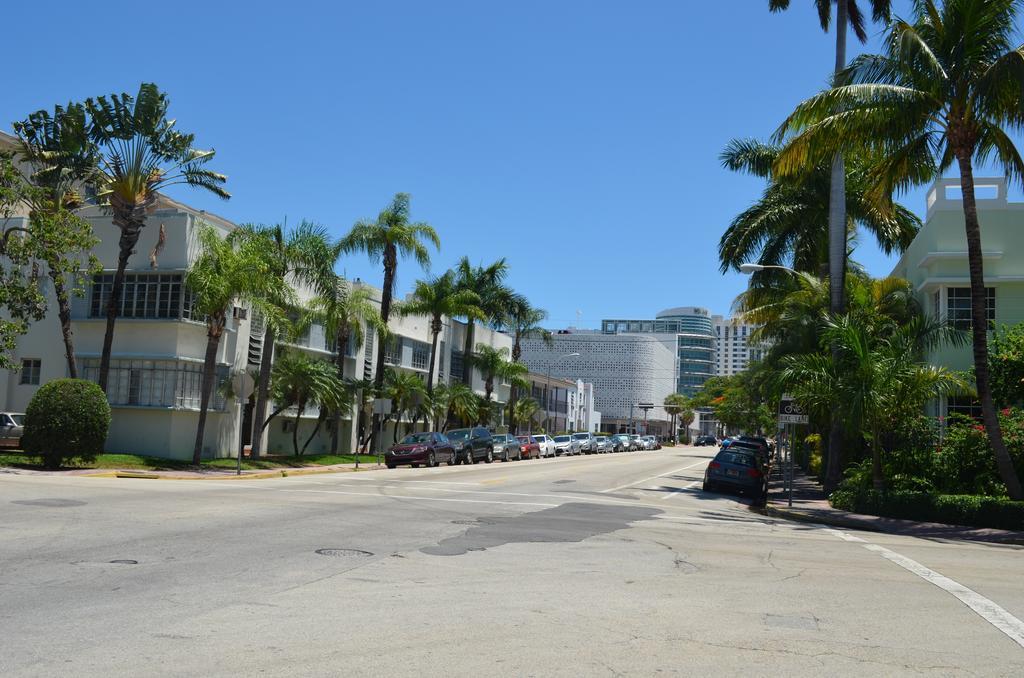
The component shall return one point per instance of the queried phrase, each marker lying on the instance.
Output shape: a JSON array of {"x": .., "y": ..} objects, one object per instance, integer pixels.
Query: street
[{"x": 585, "y": 566}]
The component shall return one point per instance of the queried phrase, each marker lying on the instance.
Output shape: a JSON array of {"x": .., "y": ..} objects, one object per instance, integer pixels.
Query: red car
[
  {"x": 429, "y": 448},
  {"x": 529, "y": 447}
]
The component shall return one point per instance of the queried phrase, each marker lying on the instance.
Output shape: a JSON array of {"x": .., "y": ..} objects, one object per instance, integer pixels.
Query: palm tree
[
  {"x": 685, "y": 419},
  {"x": 454, "y": 399},
  {"x": 946, "y": 90},
  {"x": 391, "y": 236},
  {"x": 300, "y": 255},
  {"x": 343, "y": 311},
  {"x": 62, "y": 157},
  {"x": 142, "y": 153},
  {"x": 525, "y": 410},
  {"x": 299, "y": 381},
  {"x": 523, "y": 321},
  {"x": 493, "y": 362},
  {"x": 675, "y": 404},
  {"x": 789, "y": 223},
  {"x": 486, "y": 282},
  {"x": 438, "y": 298},
  {"x": 404, "y": 389}
]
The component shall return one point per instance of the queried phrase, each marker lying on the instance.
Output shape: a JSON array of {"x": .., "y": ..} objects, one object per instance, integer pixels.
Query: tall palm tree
[
  {"x": 523, "y": 321},
  {"x": 61, "y": 158},
  {"x": 525, "y": 410},
  {"x": 220, "y": 276},
  {"x": 302, "y": 255},
  {"x": 343, "y": 311},
  {"x": 947, "y": 88},
  {"x": 298, "y": 381},
  {"x": 493, "y": 363},
  {"x": 487, "y": 283},
  {"x": 142, "y": 153},
  {"x": 387, "y": 238},
  {"x": 438, "y": 298},
  {"x": 788, "y": 224},
  {"x": 675, "y": 404},
  {"x": 404, "y": 389}
]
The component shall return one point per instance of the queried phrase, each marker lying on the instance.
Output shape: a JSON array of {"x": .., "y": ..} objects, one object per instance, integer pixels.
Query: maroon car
[
  {"x": 528, "y": 447},
  {"x": 429, "y": 448}
]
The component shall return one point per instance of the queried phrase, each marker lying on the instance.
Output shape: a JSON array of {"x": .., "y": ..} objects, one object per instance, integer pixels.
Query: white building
[
  {"x": 733, "y": 351},
  {"x": 626, "y": 370},
  {"x": 159, "y": 347}
]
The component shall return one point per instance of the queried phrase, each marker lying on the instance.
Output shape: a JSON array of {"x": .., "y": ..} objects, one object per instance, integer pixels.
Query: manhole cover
[
  {"x": 124, "y": 562},
  {"x": 55, "y": 503},
  {"x": 344, "y": 553}
]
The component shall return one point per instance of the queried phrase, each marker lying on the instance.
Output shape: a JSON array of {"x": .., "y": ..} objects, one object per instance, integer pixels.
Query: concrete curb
[
  {"x": 262, "y": 475},
  {"x": 999, "y": 537}
]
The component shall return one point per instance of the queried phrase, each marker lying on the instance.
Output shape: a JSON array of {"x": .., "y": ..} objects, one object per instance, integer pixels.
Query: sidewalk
[
  {"x": 811, "y": 505},
  {"x": 202, "y": 474}
]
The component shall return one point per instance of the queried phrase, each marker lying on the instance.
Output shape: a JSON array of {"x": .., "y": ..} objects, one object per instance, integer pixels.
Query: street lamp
[
  {"x": 749, "y": 268},
  {"x": 547, "y": 386}
]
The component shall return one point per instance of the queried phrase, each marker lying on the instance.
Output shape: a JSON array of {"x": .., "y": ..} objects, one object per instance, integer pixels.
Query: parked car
[
  {"x": 471, "y": 445},
  {"x": 506, "y": 447},
  {"x": 737, "y": 469},
  {"x": 760, "y": 440},
  {"x": 547, "y": 445},
  {"x": 566, "y": 445},
  {"x": 761, "y": 450},
  {"x": 650, "y": 443},
  {"x": 429, "y": 448},
  {"x": 636, "y": 443},
  {"x": 587, "y": 441},
  {"x": 620, "y": 442},
  {"x": 701, "y": 441},
  {"x": 528, "y": 448},
  {"x": 12, "y": 427},
  {"x": 604, "y": 444}
]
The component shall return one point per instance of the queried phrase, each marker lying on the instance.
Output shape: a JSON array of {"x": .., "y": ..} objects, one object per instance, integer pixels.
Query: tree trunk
[
  {"x": 837, "y": 252},
  {"x": 513, "y": 395},
  {"x": 206, "y": 388},
  {"x": 342, "y": 342},
  {"x": 262, "y": 392},
  {"x": 979, "y": 330},
  {"x": 316, "y": 429},
  {"x": 299, "y": 407},
  {"x": 435, "y": 331},
  {"x": 390, "y": 263},
  {"x": 127, "y": 245},
  {"x": 467, "y": 354},
  {"x": 64, "y": 313},
  {"x": 877, "y": 475}
]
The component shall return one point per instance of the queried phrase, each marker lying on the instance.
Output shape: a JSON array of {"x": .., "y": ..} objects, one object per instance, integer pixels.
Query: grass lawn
[{"x": 19, "y": 459}]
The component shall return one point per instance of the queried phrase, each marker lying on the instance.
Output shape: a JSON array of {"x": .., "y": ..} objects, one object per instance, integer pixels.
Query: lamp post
[
  {"x": 749, "y": 268},
  {"x": 547, "y": 386}
]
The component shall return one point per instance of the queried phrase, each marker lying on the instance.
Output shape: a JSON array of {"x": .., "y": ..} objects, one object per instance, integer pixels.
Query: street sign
[
  {"x": 382, "y": 405},
  {"x": 790, "y": 412},
  {"x": 646, "y": 406}
]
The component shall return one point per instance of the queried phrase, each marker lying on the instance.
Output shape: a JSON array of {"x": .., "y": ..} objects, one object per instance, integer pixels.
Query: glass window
[
  {"x": 145, "y": 295},
  {"x": 420, "y": 355},
  {"x": 958, "y": 306},
  {"x": 157, "y": 383},
  {"x": 458, "y": 365},
  {"x": 393, "y": 351},
  {"x": 30, "y": 369}
]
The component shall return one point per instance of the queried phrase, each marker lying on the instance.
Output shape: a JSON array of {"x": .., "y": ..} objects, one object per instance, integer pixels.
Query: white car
[
  {"x": 547, "y": 445},
  {"x": 650, "y": 442},
  {"x": 566, "y": 445},
  {"x": 12, "y": 427}
]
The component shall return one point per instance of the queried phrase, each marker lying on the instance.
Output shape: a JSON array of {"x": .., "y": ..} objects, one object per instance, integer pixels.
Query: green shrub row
[{"x": 955, "y": 509}]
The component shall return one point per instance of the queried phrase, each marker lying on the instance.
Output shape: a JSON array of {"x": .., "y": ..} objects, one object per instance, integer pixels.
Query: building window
[
  {"x": 157, "y": 383},
  {"x": 420, "y": 355},
  {"x": 145, "y": 295},
  {"x": 30, "y": 372},
  {"x": 958, "y": 306},
  {"x": 393, "y": 351},
  {"x": 440, "y": 362},
  {"x": 966, "y": 406},
  {"x": 458, "y": 365}
]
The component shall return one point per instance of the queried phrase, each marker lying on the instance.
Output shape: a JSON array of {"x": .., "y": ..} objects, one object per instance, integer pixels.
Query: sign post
[{"x": 790, "y": 413}]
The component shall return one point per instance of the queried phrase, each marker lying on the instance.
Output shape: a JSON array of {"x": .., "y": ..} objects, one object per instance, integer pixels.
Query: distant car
[
  {"x": 471, "y": 445},
  {"x": 429, "y": 448},
  {"x": 604, "y": 444},
  {"x": 528, "y": 448},
  {"x": 547, "y": 445},
  {"x": 636, "y": 443},
  {"x": 701, "y": 441},
  {"x": 759, "y": 449},
  {"x": 565, "y": 446},
  {"x": 650, "y": 443},
  {"x": 760, "y": 440},
  {"x": 12, "y": 427},
  {"x": 587, "y": 441},
  {"x": 506, "y": 447},
  {"x": 620, "y": 442},
  {"x": 738, "y": 470}
]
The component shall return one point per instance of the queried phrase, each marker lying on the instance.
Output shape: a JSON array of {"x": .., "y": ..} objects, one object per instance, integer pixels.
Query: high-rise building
[{"x": 733, "y": 351}]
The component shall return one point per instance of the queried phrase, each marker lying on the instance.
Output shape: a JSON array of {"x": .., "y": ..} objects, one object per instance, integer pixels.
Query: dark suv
[
  {"x": 471, "y": 445},
  {"x": 701, "y": 441}
]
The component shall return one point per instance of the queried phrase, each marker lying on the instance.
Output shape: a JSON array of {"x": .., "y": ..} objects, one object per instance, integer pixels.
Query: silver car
[
  {"x": 12, "y": 427},
  {"x": 604, "y": 445},
  {"x": 587, "y": 442},
  {"x": 566, "y": 445}
]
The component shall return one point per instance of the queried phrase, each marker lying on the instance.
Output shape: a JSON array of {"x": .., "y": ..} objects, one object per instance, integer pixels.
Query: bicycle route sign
[{"x": 790, "y": 412}]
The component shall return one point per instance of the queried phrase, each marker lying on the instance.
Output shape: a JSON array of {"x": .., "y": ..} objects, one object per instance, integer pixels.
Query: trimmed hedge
[
  {"x": 956, "y": 509},
  {"x": 66, "y": 419}
]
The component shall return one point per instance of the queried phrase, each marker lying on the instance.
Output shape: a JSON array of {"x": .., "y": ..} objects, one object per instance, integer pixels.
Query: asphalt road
[{"x": 586, "y": 566}]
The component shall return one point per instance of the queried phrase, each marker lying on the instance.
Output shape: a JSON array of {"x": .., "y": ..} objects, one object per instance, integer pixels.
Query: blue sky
[{"x": 577, "y": 138}]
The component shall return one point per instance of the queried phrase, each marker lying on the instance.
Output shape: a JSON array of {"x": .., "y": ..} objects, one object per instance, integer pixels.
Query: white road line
[
  {"x": 400, "y": 480},
  {"x": 985, "y": 608},
  {"x": 660, "y": 475},
  {"x": 676, "y": 491}
]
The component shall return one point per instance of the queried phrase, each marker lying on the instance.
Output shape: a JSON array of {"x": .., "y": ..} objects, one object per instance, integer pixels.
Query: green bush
[
  {"x": 954, "y": 509},
  {"x": 807, "y": 454},
  {"x": 964, "y": 464},
  {"x": 66, "y": 419}
]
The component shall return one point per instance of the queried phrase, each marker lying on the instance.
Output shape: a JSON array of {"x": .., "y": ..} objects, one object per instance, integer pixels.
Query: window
[
  {"x": 420, "y": 355},
  {"x": 30, "y": 369},
  {"x": 157, "y": 383},
  {"x": 963, "y": 405},
  {"x": 936, "y": 305},
  {"x": 440, "y": 362},
  {"x": 393, "y": 351},
  {"x": 145, "y": 295},
  {"x": 458, "y": 365},
  {"x": 958, "y": 306}
]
